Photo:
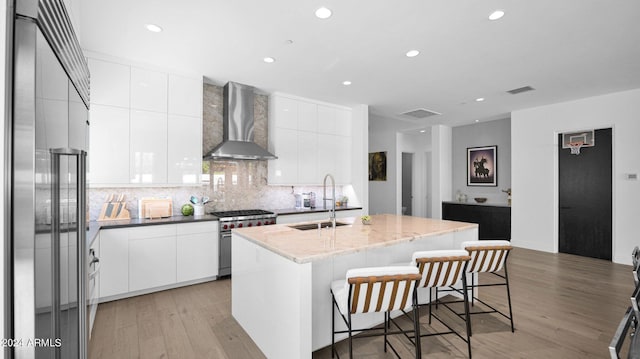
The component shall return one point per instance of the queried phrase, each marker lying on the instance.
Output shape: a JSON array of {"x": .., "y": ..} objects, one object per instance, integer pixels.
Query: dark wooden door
[{"x": 585, "y": 195}]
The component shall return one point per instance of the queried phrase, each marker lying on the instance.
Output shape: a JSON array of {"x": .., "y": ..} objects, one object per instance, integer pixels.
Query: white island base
[{"x": 281, "y": 276}]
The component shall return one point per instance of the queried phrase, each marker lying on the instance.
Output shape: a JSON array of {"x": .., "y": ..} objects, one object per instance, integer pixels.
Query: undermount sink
[{"x": 306, "y": 227}]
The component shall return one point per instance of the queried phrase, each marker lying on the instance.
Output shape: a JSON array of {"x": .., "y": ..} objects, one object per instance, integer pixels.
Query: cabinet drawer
[
  {"x": 199, "y": 227},
  {"x": 152, "y": 231}
]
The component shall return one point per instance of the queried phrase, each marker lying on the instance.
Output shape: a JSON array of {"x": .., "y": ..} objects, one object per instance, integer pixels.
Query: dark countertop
[
  {"x": 286, "y": 211},
  {"x": 471, "y": 202},
  {"x": 135, "y": 222},
  {"x": 95, "y": 227}
]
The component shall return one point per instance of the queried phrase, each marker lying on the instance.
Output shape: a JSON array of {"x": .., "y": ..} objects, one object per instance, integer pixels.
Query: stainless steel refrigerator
[{"x": 49, "y": 149}]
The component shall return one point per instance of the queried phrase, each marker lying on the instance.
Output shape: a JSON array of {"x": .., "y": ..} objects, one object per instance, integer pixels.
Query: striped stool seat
[
  {"x": 488, "y": 256},
  {"x": 443, "y": 268},
  {"x": 378, "y": 289}
]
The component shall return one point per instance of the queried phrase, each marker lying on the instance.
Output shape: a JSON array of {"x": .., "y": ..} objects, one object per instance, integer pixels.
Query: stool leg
[
  {"x": 430, "y": 300},
  {"x": 466, "y": 313},
  {"x": 350, "y": 338},
  {"x": 506, "y": 278},
  {"x": 473, "y": 286},
  {"x": 333, "y": 329},
  {"x": 386, "y": 320},
  {"x": 416, "y": 324}
]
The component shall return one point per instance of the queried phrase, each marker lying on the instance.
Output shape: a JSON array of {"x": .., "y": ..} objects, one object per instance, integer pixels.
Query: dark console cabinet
[{"x": 494, "y": 221}]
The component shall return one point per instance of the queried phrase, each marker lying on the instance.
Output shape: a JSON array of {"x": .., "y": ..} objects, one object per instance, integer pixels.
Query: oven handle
[{"x": 97, "y": 267}]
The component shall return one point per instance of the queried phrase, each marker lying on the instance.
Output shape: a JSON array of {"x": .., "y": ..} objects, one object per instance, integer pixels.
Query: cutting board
[{"x": 155, "y": 207}]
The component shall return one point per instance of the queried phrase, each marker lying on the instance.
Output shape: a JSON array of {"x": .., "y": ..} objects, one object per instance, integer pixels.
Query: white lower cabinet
[
  {"x": 152, "y": 262},
  {"x": 142, "y": 259},
  {"x": 114, "y": 262},
  {"x": 197, "y": 251}
]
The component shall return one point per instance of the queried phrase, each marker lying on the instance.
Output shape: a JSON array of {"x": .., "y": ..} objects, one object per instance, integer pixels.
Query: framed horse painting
[{"x": 482, "y": 166}]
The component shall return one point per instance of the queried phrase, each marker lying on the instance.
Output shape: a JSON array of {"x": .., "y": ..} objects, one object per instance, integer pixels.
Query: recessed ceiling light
[
  {"x": 413, "y": 53},
  {"x": 423, "y": 131},
  {"x": 477, "y": 120},
  {"x": 480, "y": 99},
  {"x": 323, "y": 13},
  {"x": 346, "y": 83},
  {"x": 496, "y": 15},
  {"x": 269, "y": 60},
  {"x": 153, "y": 27}
]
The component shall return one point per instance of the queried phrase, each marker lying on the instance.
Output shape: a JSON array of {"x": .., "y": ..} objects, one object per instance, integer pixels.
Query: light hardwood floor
[{"x": 564, "y": 307}]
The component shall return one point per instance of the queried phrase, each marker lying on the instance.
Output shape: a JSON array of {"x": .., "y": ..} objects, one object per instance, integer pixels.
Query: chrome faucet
[{"x": 332, "y": 216}]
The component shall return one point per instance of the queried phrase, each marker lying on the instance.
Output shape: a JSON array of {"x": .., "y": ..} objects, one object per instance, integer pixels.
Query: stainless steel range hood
[{"x": 237, "y": 125}]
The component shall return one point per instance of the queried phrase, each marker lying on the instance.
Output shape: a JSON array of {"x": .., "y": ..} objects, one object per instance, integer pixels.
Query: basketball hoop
[
  {"x": 575, "y": 147},
  {"x": 576, "y": 141}
]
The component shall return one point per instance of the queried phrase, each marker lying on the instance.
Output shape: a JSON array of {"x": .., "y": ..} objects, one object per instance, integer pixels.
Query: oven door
[{"x": 224, "y": 250}]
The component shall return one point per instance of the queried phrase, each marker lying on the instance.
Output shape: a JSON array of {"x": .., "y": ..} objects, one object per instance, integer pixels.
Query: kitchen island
[{"x": 281, "y": 275}]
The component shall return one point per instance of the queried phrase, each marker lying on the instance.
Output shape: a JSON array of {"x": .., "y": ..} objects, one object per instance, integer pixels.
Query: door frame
[
  {"x": 556, "y": 184},
  {"x": 413, "y": 184}
]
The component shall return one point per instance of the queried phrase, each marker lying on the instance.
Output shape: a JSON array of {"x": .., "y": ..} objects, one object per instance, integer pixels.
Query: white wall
[
  {"x": 441, "y": 174},
  {"x": 419, "y": 145},
  {"x": 382, "y": 138},
  {"x": 476, "y": 135},
  {"x": 534, "y": 222}
]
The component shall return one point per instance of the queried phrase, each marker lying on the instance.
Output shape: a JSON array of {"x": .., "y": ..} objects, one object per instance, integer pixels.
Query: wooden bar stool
[
  {"x": 443, "y": 268},
  {"x": 378, "y": 289},
  {"x": 487, "y": 257}
]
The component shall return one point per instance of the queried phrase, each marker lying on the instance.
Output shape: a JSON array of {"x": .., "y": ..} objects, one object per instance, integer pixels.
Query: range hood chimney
[{"x": 237, "y": 125}]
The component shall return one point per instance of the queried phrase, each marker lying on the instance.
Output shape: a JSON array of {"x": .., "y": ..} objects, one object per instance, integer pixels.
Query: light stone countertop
[{"x": 311, "y": 245}]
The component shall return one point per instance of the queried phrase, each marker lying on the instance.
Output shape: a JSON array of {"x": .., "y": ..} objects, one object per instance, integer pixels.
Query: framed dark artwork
[
  {"x": 482, "y": 166},
  {"x": 377, "y": 166}
]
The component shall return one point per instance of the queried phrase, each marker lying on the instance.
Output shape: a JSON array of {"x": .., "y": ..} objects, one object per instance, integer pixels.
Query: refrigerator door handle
[{"x": 81, "y": 160}]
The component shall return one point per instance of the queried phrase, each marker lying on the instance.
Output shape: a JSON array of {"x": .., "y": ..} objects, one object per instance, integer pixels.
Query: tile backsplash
[{"x": 230, "y": 185}]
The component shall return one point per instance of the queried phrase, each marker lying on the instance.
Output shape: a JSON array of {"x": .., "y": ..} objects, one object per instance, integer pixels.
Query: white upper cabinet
[
  {"x": 286, "y": 112},
  {"x": 185, "y": 96},
  {"x": 148, "y": 151},
  {"x": 307, "y": 157},
  {"x": 148, "y": 90},
  {"x": 310, "y": 139},
  {"x": 109, "y": 83},
  {"x": 343, "y": 122},
  {"x": 283, "y": 170},
  {"x": 149, "y": 126},
  {"x": 327, "y": 118},
  {"x": 184, "y": 149},
  {"x": 109, "y": 152},
  {"x": 307, "y": 116}
]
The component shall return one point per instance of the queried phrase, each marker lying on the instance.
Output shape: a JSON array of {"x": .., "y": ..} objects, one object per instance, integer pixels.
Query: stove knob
[
  {"x": 250, "y": 224},
  {"x": 259, "y": 224},
  {"x": 225, "y": 227},
  {"x": 240, "y": 225},
  {"x": 232, "y": 226}
]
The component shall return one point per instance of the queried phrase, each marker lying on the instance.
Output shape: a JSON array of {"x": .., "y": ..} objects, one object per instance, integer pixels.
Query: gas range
[
  {"x": 244, "y": 218},
  {"x": 237, "y": 219}
]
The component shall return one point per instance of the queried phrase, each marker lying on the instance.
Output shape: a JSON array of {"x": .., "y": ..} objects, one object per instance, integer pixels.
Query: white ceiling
[{"x": 565, "y": 49}]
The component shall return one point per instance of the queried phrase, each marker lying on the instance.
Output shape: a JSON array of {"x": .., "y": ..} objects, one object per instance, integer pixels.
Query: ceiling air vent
[
  {"x": 420, "y": 113},
  {"x": 521, "y": 90}
]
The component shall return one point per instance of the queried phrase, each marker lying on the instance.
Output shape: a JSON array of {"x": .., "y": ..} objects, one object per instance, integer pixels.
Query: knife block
[{"x": 114, "y": 210}]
